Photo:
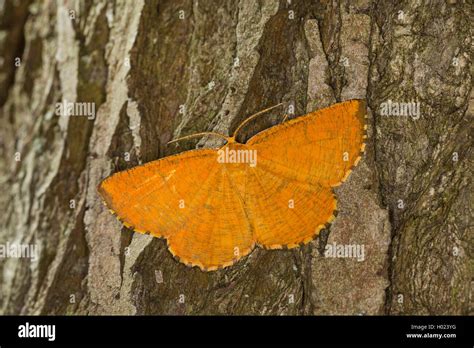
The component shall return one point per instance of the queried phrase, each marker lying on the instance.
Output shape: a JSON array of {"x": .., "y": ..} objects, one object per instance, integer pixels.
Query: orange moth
[{"x": 214, "y": 206}]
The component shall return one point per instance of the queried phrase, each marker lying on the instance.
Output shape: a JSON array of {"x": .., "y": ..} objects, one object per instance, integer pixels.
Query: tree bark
[{"x": 157, "y": 70}]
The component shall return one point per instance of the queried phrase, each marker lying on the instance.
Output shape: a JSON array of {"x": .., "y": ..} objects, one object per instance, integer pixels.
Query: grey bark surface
[{"x": 157, "y": 70}]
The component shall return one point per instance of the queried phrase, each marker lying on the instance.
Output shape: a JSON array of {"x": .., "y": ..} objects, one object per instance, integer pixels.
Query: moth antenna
[
  {"x": 252, "y": 117},
  {"x": 198, "y": 135},
  {"x": 285, "y": 118}
]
